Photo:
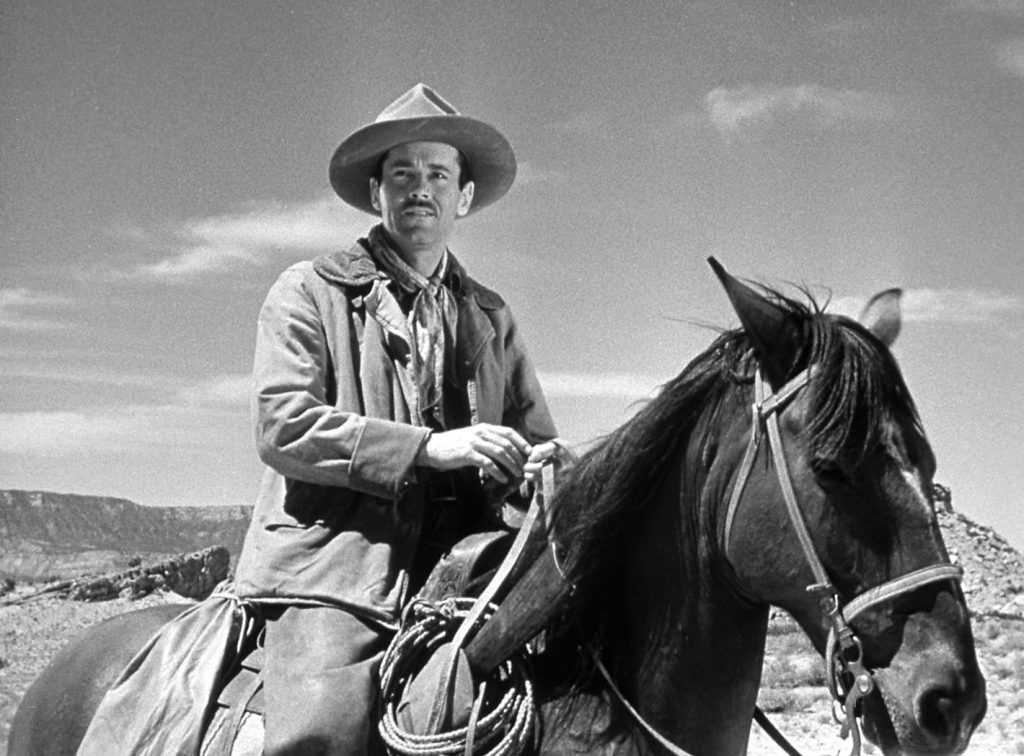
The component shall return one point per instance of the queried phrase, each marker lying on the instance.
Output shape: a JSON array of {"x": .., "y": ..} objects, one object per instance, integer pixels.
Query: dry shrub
[{"x": 775, "y": 701}]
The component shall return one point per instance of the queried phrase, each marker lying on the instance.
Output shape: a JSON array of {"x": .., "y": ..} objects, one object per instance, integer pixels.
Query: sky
[{"x": 161, "y": 163}]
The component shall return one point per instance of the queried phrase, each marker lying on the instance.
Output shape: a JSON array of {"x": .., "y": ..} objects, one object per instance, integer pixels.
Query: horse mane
[{"x": 857, "y": 386}]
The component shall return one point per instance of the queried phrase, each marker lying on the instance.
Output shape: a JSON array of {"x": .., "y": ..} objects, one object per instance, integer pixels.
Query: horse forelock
[{"x": 857, "y": 389}]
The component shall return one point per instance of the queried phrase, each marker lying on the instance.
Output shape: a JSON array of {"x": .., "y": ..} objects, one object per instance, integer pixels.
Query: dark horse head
[{"x": 679, "y": 532}]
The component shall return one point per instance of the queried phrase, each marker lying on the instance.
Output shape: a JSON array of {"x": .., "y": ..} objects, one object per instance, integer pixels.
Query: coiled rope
[{"x": 504, "y": 715}]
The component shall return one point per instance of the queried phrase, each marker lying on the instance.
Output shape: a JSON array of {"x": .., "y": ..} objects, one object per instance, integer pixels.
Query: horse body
[
  {"x": 58, "y": 706},
  {"x": 677, "y": 544}
]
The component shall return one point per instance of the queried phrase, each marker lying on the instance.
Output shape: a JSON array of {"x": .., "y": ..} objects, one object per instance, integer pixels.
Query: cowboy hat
[{"x": 422, "y": 115}]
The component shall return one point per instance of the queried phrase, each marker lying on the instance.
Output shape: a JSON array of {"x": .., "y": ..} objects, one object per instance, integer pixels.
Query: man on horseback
[{"x": 393, "y": 395}]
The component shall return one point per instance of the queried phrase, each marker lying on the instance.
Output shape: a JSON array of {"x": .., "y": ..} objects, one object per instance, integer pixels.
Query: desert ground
[
  {"x": 794, "y": 696},
  {"x": 793, "y": 692}
]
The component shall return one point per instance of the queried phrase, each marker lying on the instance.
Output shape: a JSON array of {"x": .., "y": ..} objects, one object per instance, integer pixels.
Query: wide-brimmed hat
[{"x": 422, "y": 115}]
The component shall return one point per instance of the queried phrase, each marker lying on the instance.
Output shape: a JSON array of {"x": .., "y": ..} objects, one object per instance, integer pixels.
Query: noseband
[{"x": 849, "y": 679}]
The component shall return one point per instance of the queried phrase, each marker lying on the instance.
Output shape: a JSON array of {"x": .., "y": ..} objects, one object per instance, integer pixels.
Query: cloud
[
  {"x": 599, "y": 385},
  {"x": 1010, "y": 57},
  {"x": 20, "y": 309},
  {"x": 949, "y": 306},
  {"x": 190, "y": 418},
  {"x": 751, "y": 110},
  {"x": 51, "y": 372},
  {"x": 59, "y": 433},
  {"x": 223, "y": 243},
  {"x": 228, "y": 390}
]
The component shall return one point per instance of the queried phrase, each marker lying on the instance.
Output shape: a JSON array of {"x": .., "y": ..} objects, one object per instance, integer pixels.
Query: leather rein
[{"x": 849, "y": 680}]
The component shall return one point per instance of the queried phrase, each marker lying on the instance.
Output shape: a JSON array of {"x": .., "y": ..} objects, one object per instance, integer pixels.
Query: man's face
[{"x": 418, "y": 195}]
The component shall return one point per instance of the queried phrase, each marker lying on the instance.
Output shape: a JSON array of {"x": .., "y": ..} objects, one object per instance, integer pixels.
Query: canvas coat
[{"x": 341, "y": 504}]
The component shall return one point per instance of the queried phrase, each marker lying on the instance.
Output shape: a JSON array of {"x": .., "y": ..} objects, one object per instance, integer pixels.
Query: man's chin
[{"x": 419, "y": 234}]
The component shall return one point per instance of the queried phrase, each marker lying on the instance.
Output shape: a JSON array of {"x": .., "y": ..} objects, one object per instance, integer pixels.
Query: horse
[{"x": 786, "y": 466}]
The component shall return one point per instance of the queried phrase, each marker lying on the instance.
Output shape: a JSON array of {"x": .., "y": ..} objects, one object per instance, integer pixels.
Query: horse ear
[
  {"x": 881, "y": 315},
  {"x": 775, "y": 336}
]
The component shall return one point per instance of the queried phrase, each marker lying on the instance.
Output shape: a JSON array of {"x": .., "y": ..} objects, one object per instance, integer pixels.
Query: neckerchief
[{"x": 432, "y": 318}]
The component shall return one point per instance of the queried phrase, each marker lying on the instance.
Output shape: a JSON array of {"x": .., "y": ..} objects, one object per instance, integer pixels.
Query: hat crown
[{"x": 419, "y": 102}]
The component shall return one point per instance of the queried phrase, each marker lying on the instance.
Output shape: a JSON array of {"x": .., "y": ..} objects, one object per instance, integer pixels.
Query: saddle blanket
[{"x": 161, "y": 702}]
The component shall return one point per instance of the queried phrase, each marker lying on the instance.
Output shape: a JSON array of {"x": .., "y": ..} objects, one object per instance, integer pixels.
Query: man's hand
[
  {"x": 555, "y": 449},
  {"x": 500, "y": 452}
]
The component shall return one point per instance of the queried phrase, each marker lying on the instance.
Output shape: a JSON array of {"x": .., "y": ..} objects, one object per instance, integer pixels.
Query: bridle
[{"x": 849, "y": 680}]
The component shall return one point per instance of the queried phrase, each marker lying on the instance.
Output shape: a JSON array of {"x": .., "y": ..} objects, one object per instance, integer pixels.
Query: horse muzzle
[{"x": 932, "y": 711}]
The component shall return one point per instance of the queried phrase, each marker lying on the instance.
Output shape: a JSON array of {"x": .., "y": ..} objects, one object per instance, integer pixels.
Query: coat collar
[
  {"x": 351, "y": 267},
  {"x": 354, "y": 268}
]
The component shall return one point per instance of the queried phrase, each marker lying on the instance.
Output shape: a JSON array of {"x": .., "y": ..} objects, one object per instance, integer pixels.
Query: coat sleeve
[
  {"x": 299, "y": 432},
  {"x": 526, "y": 410}
]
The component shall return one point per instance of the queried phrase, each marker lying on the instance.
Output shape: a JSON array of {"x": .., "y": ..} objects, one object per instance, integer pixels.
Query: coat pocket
[{"x": 309, "y": 504}]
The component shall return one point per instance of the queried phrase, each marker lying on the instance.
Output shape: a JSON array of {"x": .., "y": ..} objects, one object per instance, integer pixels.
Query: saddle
[{"x": 464, "y": 571}]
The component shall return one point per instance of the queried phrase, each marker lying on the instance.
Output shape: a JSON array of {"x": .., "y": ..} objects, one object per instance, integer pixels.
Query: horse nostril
[{"x": 937, "y": 712}]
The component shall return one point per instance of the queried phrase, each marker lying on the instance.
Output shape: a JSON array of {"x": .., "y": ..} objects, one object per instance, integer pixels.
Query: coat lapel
[{"x": 382, "y": 306}]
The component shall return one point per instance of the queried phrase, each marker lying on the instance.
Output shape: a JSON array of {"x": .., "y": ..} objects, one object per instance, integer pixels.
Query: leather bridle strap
[
  {"x": 763, "y": 408},
  {"x": 888, "y": 590},
  {"x": 771, "y": 419}
]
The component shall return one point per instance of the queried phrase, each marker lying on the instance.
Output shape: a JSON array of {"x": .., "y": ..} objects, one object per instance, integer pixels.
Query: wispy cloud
[
  {"x": 187, "y": 408},
  {"x": 16, "y": 367},
  {"x": 194, "y": 417},
  {"x": 749, "y": 110},
  {"x": 599, "y": 385},
  {"x": 223, "y": 243},
  {"x": 226, "y": 390},
  {"x": 230, "y": 390},
  {"x": 950, "y": 306},
  {"x": 1010, "y": 56},
  {"x": 25, "y": 309},
  {"x": 57, "y": 433}
]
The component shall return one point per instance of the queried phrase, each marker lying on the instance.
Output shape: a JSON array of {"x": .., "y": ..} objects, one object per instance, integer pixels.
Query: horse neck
[{"x": 691, "y": 646}]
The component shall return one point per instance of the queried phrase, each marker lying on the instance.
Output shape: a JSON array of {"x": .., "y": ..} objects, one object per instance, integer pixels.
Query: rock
[
  {"x": 192, "y": 576},
  {"x": 993, "y": 570}
]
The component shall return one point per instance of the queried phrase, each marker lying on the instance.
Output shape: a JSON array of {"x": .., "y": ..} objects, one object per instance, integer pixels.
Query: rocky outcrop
[
  {"x": 192, "y": 576},
  {"x": 993, "y": 570}
]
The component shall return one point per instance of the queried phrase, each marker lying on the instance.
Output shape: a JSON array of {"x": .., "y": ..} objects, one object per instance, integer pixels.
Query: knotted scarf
[{"x": 432, "y": 318}]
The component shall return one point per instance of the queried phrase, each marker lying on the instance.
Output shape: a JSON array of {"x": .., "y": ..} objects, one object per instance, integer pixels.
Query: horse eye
[{"x": 830, "y": 472}]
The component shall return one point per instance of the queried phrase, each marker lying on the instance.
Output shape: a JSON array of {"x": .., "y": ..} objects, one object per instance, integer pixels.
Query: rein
[{"x": 849, "y": 680}]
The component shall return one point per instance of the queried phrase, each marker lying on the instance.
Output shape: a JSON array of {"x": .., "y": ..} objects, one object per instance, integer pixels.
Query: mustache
[{"x": 417, "y": 203}]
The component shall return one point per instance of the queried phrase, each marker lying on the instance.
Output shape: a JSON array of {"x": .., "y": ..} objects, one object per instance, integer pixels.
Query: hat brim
[{"x": 491, "y": 159}]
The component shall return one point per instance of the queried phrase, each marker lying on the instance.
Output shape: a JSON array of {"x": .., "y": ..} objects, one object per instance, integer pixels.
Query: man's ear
[
  {"x": 375, "y": 194},
  {"x": 465, "y": 199}
]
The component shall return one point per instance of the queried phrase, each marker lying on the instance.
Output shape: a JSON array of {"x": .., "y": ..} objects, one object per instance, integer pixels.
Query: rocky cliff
[
  {"x": 993, "y": 570},
  {"x": 46, "y": 535}
]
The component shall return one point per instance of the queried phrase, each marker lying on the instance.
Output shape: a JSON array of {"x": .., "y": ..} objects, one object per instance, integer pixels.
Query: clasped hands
[{"x": 499, "y": 452}]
